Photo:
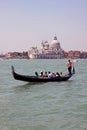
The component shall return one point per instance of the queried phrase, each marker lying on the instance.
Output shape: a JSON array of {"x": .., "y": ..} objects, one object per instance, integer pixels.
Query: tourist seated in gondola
[
  {"x": 50, "y": 75},
  {"x": 57, "y": 74},
  {"x": 41, "y": 74},
  {"x": 53, "y": 75},
  {"x": 36, "y": 74},
  {"x": 45, "y": 74}
]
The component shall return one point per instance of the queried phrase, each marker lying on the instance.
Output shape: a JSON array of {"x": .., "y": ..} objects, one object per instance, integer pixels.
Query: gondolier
[{"x": 69, "y": 66}]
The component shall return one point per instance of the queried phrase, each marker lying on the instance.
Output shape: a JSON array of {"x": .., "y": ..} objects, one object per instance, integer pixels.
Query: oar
[
  {"x": 73, "y": 70},
  {"x": 63, "y": 71},
  {"x": 74, "y": 61}
]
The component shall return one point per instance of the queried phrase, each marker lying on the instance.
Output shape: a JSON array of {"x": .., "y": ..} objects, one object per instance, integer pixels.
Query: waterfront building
[
  {"x": 33, "y": 53},
  {"x": 16, "y": 55},
  {"x": 47, "y": 51}
]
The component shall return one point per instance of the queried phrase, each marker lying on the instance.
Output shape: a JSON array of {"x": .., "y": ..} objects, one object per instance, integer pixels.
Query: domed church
[
  {"x": 55, "y": 43},
  {"x": 47, "y": 51}
]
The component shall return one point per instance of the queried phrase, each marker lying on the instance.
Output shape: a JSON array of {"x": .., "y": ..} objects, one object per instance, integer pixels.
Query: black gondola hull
[{"x": 39, "y": 79}]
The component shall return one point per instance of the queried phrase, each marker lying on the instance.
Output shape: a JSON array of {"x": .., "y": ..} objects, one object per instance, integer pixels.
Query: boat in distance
[{"x": 29, "y": 78}]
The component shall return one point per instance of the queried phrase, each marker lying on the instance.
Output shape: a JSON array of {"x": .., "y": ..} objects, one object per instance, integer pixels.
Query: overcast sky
[{"x": 25, "y": 23}]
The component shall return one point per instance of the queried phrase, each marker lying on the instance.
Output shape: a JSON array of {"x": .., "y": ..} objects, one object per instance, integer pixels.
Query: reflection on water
[
  {"x": 26, "y": 87},
  {"x": 29, "y": 86}
]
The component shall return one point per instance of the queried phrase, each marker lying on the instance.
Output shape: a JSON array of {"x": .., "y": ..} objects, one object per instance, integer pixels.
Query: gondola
[{"x": 28, "y": 78}]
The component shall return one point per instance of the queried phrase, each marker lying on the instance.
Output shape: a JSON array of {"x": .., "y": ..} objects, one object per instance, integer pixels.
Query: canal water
[{"x": 43, "y": 106}]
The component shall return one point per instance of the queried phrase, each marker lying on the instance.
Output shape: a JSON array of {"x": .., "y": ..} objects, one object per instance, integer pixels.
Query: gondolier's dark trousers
[{"x": 69, "y": 69}]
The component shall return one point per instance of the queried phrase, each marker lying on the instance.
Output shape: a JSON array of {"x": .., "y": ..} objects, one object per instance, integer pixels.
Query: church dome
[{"x": 55, "y": 43}]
